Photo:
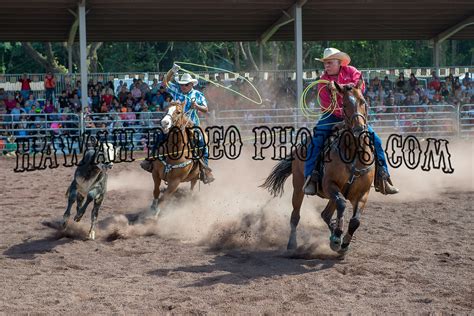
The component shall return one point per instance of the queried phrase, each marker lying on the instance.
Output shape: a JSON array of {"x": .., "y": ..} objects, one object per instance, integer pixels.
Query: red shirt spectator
[
  {"x": 107, "y": 98},
  {"x": 435, "y": 83},
  {"x": 49, "y": 81},
  {"x": 10, "y": 103},
  {"x": 25, "y": 83}
]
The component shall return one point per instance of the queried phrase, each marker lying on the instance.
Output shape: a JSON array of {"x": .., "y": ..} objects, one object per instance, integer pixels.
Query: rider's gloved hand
[{"x": 175, "y": 68}]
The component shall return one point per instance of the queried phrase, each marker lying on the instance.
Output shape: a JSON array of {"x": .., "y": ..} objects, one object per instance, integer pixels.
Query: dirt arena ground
[{"x": 223, "y": 251}]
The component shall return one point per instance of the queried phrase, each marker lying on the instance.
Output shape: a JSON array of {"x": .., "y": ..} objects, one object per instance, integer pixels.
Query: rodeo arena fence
[{"x": 445, "y": 121}]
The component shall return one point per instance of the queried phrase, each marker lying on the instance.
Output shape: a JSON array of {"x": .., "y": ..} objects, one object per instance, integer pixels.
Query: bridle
[{"x": 348, "y": 120}]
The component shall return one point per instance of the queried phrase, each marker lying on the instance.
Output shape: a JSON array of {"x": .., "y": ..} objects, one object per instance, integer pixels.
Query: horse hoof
[
  {"x": 92, "y": 235},
  {"x": 344, "y": 250},
  {"x": 77, "y": 218},
  {"x": 63, "y": 224},
  {"x": 154, "y": 212},
  {"x": 335, "y": 243}
]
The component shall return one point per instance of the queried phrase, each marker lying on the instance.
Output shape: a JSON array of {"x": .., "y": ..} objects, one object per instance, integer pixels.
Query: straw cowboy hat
[
  {"x": 187, "y": 78},
  {"x": 333, "y": 53}
]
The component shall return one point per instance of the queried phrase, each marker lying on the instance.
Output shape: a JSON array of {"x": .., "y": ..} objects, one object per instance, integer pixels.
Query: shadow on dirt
[{"x": 244, "y": 267}]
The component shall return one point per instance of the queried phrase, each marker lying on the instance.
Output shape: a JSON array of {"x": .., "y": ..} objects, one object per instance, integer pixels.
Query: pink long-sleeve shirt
[{"x": 347, "y": 74}]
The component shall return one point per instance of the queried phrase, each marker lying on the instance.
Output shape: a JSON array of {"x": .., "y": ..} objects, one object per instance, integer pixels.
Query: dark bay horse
[
  {"x": 90, "y": 184},
  {"x": 174, "y": 165},
  {"x": 343, "y": 179}
]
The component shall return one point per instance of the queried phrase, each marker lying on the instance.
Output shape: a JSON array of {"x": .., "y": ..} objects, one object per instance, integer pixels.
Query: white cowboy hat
[
  {"x": 333, "y": 53},
  {"x": 187, "y": 78}
]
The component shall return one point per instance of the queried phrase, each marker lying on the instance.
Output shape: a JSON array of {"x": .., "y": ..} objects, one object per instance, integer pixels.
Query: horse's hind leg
[
  {"x": 95, "y": 213},
  {"x": 354, "y": 223},
  {"x": 72, "y": 194},
  {"x": 297, "y": 200}
]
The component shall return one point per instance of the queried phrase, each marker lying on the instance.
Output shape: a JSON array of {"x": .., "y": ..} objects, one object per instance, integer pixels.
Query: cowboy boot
[
  {"x": 209, "y": 177},
  {"x": 383, "y": 183},
  {"x": 205, "y": 173},
  {"x": 310, "y": 186},
  {"x": 147, "y": 165}
]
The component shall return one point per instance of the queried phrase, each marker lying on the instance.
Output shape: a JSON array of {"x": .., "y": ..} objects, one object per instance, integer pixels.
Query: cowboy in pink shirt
[
  {"x": 347, "y": 75},
  {"x": 337, "y": 69}
]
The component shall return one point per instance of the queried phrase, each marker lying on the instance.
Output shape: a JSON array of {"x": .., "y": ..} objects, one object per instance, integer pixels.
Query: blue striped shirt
[{"x": 175, "y": 91}]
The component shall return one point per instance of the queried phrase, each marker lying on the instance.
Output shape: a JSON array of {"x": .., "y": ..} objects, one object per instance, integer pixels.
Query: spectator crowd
[{"x": 141, "y": 104}]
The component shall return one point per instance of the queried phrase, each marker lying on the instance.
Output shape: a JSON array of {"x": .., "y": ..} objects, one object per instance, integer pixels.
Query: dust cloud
[{"x": 233, "y": 212}]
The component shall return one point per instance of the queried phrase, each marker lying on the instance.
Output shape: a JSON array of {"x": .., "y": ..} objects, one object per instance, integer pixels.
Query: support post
[
  {"x": 436, "y": 56},
  {"x": 69, "y": 59},
  {"x": 298, "y": 57},
  {"x": 83, "y": 60}
]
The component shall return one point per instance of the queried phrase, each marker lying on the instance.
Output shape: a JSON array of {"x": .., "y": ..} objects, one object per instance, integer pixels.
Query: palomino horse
[
  {"x": 343, "y": 178},
  {"x": 177, "y": 166}
]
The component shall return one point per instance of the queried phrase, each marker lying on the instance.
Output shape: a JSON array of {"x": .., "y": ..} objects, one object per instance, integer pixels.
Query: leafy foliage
[{"x": 159, "y": 56}]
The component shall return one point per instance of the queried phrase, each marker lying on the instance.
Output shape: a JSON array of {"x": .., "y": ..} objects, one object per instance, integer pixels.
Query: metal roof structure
[{"x": 234, "y": 20}]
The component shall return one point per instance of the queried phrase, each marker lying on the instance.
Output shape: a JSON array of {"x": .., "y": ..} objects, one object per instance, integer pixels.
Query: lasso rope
[
  {"x": 197, "y": 76},
  {"x": 312, "y": 114}
]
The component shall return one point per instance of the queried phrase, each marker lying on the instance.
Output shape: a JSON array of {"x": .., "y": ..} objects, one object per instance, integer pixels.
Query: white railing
[
  {"x": 433, "y": 120},
  {"x": 423, "y": 121},
  {"x": 39, "y": 124},
  {"x": 466, "y": 120}
]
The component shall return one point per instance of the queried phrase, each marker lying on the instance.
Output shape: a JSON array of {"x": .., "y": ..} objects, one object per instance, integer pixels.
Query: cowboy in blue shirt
[{"x": 183, "y": 91}]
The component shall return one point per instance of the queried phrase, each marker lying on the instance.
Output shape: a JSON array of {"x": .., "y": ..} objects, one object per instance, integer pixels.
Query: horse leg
[
  {"x": 82, "y": 209},
  {"x": 340, "y": 202},
  {"x": 70, "y": 201},
  {"x": 95, "y": 213},
  {"x": 327, "y": 214},
  {"x": 297, "y": 200},
  {"x": 172, "y": 187},
  {"x": 156, "y": 193},
  {"x": 354, "y": 223},
  {"x": 193, "y": 184}
]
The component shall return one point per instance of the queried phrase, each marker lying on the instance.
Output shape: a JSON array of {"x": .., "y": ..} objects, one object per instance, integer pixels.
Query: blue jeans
[
  {"x": 25, "y": 94},
  {"x": 205, "y": 150},
  {"x": 322, "y": 131}
]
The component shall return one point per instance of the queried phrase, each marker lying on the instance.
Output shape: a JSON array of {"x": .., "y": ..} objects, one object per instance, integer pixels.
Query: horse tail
[
  {"x": 276, "y": 180},
  {"x": 68, "y": 190}
]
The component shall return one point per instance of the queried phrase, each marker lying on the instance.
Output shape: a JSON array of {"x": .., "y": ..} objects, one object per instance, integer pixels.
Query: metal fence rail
[
  {"x": 466, "y": 120},
  {"x": 444, "y": 121},
  {"x": 9, "y": 82},
  {"x": 433, "y": 120},
  {"x": 38, "y": 124}
]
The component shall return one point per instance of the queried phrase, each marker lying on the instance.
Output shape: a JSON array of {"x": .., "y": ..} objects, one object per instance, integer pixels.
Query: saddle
[{"x": 331, "y": 143}]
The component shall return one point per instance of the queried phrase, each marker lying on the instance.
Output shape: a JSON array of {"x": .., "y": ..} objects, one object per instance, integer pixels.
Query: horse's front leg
[
  {"x": 327, "y": 214},
  {"x": 154, "y": 208},
  {"x": 95, "y": 214},
  {"x": 354, "y": 223},
  {"x": 72, "y": 195},
  {"x": 193, "y": 184},
  {"x": 340, "y": 203},
  {"x": 170, "y": 189},
  {"x": 81, "y": 209}
]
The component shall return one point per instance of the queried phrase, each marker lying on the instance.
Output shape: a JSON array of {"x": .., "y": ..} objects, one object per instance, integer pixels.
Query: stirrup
[
  {"x": 310, "y": 186},
  {"x": 383, "y": 184},
  {"x": 206, "y": 176}
]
